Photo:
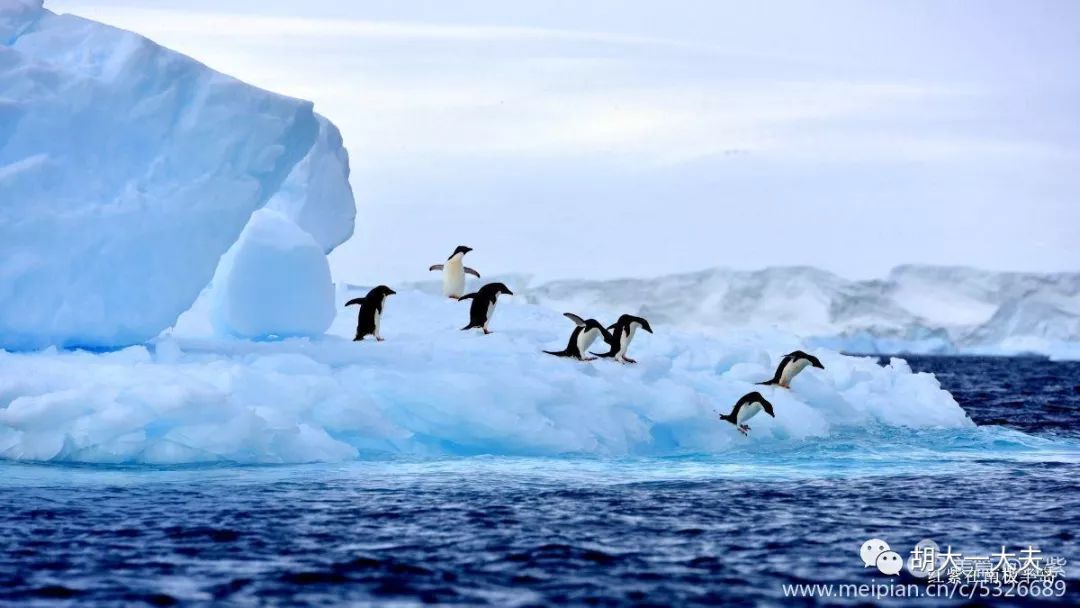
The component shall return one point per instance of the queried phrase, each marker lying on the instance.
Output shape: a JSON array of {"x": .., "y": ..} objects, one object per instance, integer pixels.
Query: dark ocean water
[{"x": 506, "y": 531}]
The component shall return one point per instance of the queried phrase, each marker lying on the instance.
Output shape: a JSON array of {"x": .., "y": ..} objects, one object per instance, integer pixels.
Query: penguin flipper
[
  {"x": 558, "y": 353},
  {"x": 436, "y": 267},
  {"x": 472, "y": 272},
  {"x": 603, "y": 355},
  {"x": 606, "y": 335},
  {"x": 471, "y": 326},
  {"x": 576, "y": 319},
  {"x": 355, "y": 301},
  {"x": 467, "y": 296}
]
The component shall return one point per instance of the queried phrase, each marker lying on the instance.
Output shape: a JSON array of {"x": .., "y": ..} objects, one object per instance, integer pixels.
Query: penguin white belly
[
  {"x": 490, "y": 311},
  {"x": 748, "y": 411},
  {"x": 585, "y": 340},
  {"x": 453, "y": 281},
  {"x": 378, "y": 321},
  {"x": 791, "y": 370},
  {"x": 625, "y": 345}
]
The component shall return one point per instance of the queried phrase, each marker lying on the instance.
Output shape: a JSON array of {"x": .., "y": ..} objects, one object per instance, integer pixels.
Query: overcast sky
[{"x": 616, "y": 138}]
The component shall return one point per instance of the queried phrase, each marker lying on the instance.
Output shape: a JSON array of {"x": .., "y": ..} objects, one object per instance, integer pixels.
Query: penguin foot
[
  {"x": 745, "y": 426},
  {"x": 486, "y": 331},
  {"x": 588, "y": 358},
  {"x": 743, "y": 431},
  {"x": 381, "y": 339},
  {"x": 629, "y": 360}
]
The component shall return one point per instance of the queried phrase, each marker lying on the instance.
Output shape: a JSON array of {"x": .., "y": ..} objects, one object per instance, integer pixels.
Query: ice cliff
[{"x": 126, "y": 172}]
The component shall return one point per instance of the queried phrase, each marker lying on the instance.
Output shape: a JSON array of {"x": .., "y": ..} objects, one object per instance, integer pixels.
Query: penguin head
[
  {"x": 461, "y": 249},
  {"x": 494, "y": 289},
  {"x": 381, "y": 292},
  {"x": 626, "y": 320},
  {"x": 756, "y": 397},
  {"x": 765, "y": 405},
  {"x": 811, "y": 359}
]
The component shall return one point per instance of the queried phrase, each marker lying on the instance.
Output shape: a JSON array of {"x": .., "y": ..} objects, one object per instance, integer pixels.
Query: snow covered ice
[
  {"x": 127, "y": 170},
  {"x": 432, "y": 389}
]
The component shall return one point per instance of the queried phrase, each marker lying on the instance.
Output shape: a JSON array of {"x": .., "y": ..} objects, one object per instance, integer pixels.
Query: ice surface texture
[
  {"x": 127, "y": 170},
  {"x": 431, "y": 389}
]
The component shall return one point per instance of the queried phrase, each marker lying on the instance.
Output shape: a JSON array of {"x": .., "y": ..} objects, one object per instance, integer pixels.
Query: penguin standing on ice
[
  {"x": 746, "y": 408},
  {"x": 454, "y": 270},
  {"x": 622, "y": 332},
  {"x": 483, "y": 305},
  {"x": 586, "y": 332},
  {"x": 790, "y": 366},
  {"x": 371, "y": 305}
]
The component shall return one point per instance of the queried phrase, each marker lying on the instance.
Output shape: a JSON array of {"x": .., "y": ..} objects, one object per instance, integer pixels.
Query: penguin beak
[
  {"x": 819, "y": 366},
  {"x": 647, "y": 328},
  {"x": 390, "y": 292},
  {"x": 508, "y": 292}
]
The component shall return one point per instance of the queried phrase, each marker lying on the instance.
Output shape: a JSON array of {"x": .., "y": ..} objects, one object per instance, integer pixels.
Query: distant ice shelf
[{"x": 915, "y": 309}]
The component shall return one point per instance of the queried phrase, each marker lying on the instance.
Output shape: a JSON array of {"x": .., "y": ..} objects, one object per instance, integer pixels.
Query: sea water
[{"x": 731, "y": 528}]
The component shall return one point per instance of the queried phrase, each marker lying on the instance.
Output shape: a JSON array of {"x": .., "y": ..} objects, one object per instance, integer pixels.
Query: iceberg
[
  {"x": 431, "y": 390},
  {"x": 126, "y": 172}
]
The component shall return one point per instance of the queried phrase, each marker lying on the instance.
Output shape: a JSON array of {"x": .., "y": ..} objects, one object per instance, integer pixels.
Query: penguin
[
  {"x": 371, "y": 305},
  {"x": 746, "y": 408},
  {"x": 483, "y": 305},
  {"x": 454, "y": 271},
  {"x": 790, "y": 366},
  {"x": 586, "y": 332},
  {"x": 622, "y": 333}
]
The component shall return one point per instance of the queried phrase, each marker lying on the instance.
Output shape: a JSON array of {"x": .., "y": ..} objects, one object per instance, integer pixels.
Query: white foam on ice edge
[{"x": 431, "y": 389}]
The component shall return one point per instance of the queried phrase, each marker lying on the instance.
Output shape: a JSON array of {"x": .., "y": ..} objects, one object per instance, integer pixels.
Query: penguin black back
[
  {"x": 370, "y": 316},
  {"x": 746, "y": 408},
  {"x": 790, "y": 365},
  {"x": 621, "y": 334},
  {"x": 483, "y": 305},
  {"x": 581, "y": 338}
]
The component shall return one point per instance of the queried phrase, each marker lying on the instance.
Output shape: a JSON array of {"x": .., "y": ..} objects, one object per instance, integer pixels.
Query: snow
[
  {"x": 916, "y": 309},
  {"x": 433, "y": 390},
  {"x": 127, "y": 170}
]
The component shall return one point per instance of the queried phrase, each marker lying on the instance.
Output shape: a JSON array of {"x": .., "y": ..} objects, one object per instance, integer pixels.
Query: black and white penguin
[
  {"x": 790, "y": 366},
  {"x": 622, "y": 333},
  {"x": 371, "y": 305},
  {"x": 454, "y": 270},
  {"x": 586, "y": 332},
  {"x": 746, "y": 408},
  {"x": 483, "y": 305}
]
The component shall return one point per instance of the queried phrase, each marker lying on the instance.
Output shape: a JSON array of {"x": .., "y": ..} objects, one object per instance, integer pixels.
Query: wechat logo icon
[{"x": 876, "y": 552}]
